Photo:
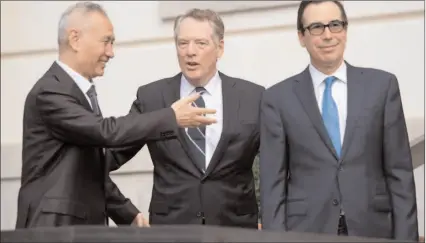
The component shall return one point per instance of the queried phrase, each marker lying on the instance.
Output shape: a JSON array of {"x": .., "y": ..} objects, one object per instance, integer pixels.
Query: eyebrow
[
  {"x": 109, "y": 38},
  {"x": 198, "y": 39},
  {"x": 319, "y": 22}
]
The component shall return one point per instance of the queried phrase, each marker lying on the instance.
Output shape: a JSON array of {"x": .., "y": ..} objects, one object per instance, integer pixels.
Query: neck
[
  {"x": 327, "y": 68},
  {"x": 202, "y": 81},
  {"x": 70, "y": 62}
]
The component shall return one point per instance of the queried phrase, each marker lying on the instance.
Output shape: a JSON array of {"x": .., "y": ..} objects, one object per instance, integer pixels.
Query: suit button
[{"x": 335, "y": 202}]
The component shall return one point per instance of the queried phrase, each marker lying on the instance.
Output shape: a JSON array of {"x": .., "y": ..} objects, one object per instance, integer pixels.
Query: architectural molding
[
  {"x": 169, "y": 10},
  {"x": 239, "y": 31}
]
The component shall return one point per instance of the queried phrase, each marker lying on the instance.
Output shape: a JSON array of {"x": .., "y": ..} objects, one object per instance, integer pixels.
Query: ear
[
  {"x": 221, "y": 48},
  {"x": 301, "y": 38},
  {"x": 73, "y": 39}
]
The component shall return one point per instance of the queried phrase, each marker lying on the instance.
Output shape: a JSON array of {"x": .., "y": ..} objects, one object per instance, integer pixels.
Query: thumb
[{"x": 190, "y": 98}]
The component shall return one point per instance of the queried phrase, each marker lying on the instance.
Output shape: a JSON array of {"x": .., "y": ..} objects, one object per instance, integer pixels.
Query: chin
[
  {"x": 192, "y": 76},
  {"x": 329, "y": 58},
  {"x": 100, "y": 74},
  {"x": 194, "y": 79}
]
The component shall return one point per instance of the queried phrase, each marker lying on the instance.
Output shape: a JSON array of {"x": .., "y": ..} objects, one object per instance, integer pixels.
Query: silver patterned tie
[{"x": 197, "y": 135}]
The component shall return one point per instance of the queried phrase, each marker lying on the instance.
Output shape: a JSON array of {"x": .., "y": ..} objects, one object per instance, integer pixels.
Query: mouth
[
  {"x": 103, "y": 63},
  {"x": 192, "y": 65},
  {"x": 328, "y": 47}
]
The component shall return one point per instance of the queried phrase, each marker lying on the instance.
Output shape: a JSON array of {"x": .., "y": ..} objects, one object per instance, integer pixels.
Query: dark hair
[{"x": 304, "y": 4}]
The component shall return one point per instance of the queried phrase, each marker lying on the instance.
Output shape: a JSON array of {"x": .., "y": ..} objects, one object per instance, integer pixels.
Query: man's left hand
[{"x": 140, "y": 221}]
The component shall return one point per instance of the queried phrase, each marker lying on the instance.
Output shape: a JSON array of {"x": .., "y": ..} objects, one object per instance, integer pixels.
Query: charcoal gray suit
[
  {"x": 305, "y": 186},
  {"x": 182, "y": 193},
  {"x": 65, "y": 180}
]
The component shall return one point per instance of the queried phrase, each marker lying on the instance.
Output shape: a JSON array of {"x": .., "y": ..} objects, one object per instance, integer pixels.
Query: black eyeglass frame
[{"x": 341, "y": 23}]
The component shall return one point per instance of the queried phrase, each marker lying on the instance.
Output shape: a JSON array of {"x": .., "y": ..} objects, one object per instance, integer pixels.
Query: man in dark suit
[
  {"x": 205, "y": 175},
  {"x": 335, "y": 156},
  {"x": 65, "y": 180}
]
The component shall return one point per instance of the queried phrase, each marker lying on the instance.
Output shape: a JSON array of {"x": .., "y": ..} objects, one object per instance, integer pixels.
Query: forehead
[
  {"x": 322, "y": 12},
  {"x": 191, "y": 29}
]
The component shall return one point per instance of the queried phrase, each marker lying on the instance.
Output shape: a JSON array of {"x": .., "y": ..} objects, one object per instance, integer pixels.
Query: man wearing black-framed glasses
[{"x": 334, "y": 153}]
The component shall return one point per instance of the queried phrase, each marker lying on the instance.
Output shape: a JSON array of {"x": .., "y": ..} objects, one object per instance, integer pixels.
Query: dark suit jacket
[
  {"x": 64, "y": 178},
  {"x": 304, "y": 184},
  {"x": 225, "y": 194}
]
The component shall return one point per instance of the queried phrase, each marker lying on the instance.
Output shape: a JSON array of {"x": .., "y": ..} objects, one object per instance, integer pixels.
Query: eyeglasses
[{"x": 335, "y": 26}]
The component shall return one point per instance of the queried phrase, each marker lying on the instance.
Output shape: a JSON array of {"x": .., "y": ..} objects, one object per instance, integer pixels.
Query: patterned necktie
[
  {"x": 330, "y": 115},
  {"x": 94, "y": 100},
  {"x": 197, "y": 135}
]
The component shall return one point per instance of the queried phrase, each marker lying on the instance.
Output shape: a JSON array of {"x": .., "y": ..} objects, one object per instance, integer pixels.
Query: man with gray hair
[
  {"x": 65, "y": 180},
  {"x": 205, "y": 175}
]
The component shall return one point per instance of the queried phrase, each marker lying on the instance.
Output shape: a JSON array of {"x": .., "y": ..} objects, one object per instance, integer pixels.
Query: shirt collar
[
  {"x": 83, "y": 83},
  {"x": 318, "y": 77},
  {"x": 211, "y": 86}
]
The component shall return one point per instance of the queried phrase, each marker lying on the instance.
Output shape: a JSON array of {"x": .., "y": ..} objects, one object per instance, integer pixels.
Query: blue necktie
[{"x": 330, "y": 115}]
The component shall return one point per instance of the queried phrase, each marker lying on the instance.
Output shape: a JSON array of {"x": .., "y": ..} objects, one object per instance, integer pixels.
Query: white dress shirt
[
  {"x": 81, "y": 81},
  {"x": 339, "y": 91},
  {"x": 212, "y": 99}
]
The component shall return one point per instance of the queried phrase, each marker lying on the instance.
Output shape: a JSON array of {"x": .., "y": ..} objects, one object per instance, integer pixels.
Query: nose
[
  {"x": 191, "y": 51},
  {"x": 109, "y": 52},
  {"x": 327, "y": 33}
]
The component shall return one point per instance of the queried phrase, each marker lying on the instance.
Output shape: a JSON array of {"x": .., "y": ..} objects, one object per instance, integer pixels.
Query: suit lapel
[
  {"x": 170, "y": 95},
  {"x": 304, "y": 90},
  {"x": 230, "y": 102},
  {"x": 356, "y": 90},
  {"x": 62, "y": 76}
]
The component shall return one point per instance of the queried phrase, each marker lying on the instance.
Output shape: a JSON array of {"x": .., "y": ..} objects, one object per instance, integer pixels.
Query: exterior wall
[{"x": 260, "y": 45}]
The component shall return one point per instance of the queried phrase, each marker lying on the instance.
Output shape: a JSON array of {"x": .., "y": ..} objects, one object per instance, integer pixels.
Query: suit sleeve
[
  {"x": 398, "y": 167},
  {"x": 273, "y": 165},
  {"x": 116, "y": 157},
  {"x": 70, "y": 122},
  {"x": 119, "y": 208}
]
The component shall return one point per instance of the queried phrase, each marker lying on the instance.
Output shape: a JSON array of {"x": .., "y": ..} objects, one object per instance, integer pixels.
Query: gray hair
[
  {"x": 203, "y": 15},
  {"x": 82, "y": 7}
]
